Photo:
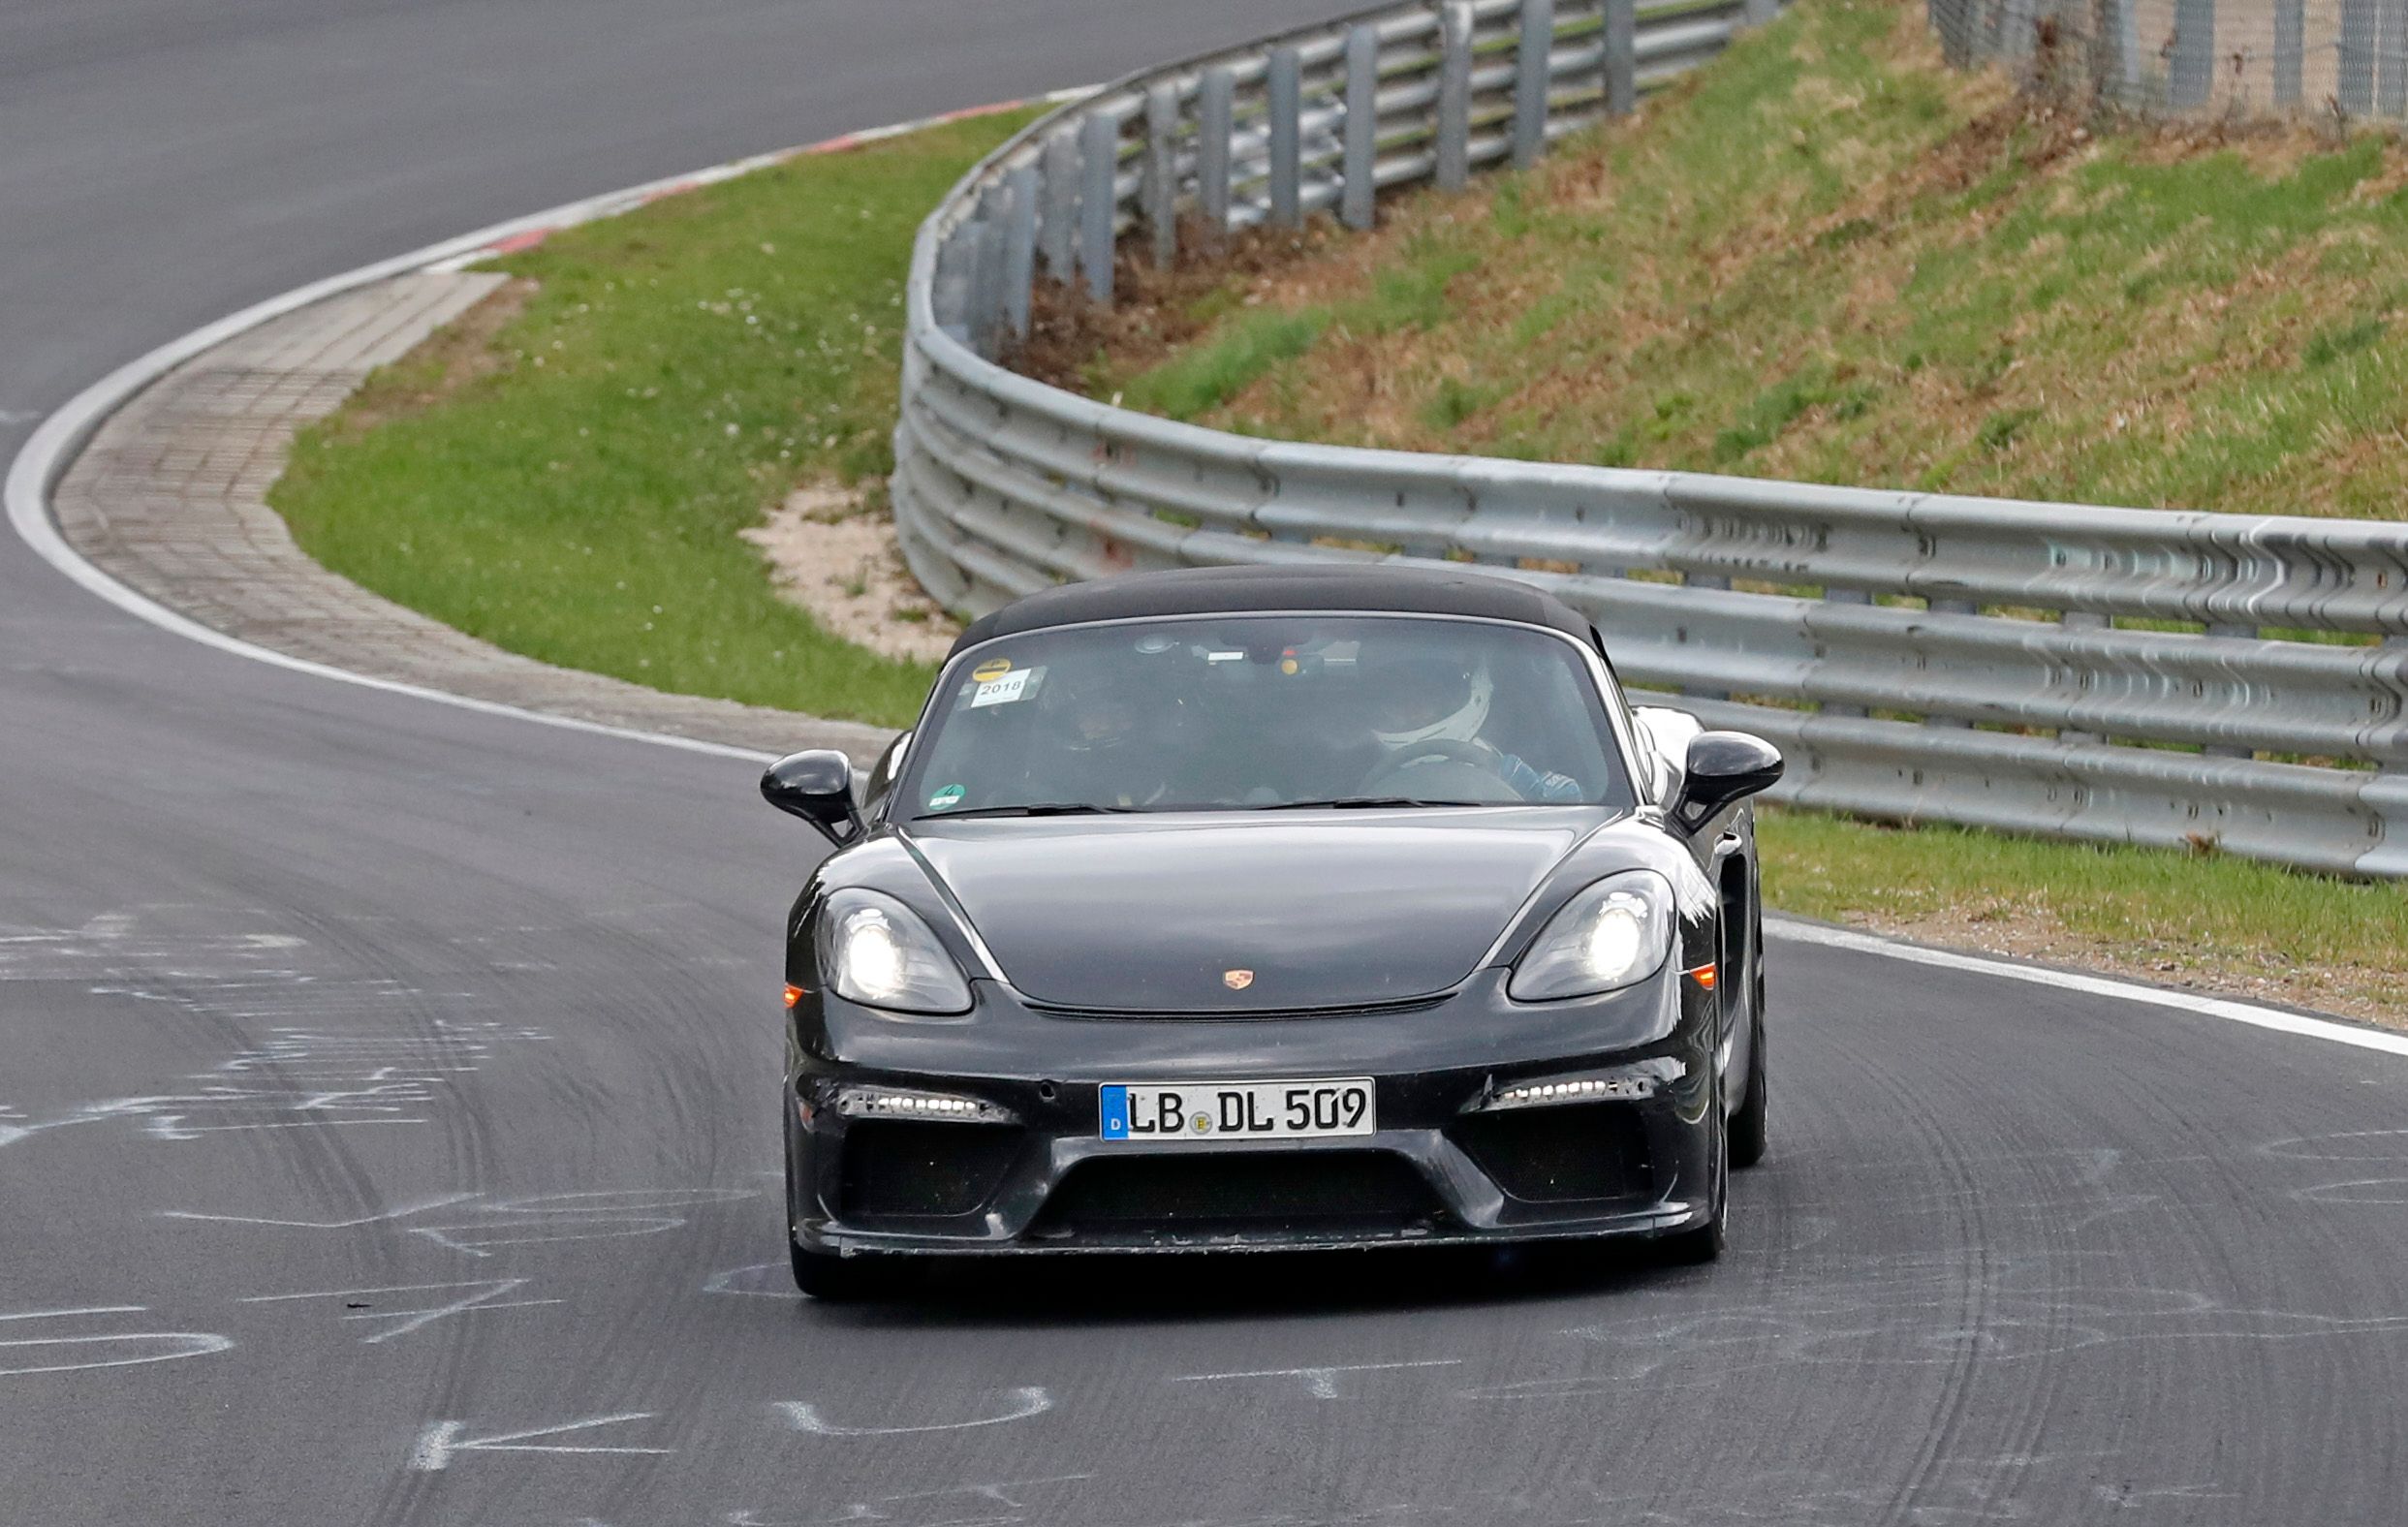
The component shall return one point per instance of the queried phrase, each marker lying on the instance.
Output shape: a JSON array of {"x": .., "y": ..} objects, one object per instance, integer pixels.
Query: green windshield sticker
[{"x": 946, "y": 799}]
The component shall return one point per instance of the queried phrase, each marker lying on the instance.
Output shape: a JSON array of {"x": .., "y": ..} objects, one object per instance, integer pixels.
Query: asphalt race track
[{"x": 385, "y": 1090}]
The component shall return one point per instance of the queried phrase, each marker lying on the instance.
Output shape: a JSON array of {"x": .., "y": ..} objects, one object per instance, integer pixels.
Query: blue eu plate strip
[{"x": 1115, "y": 1113}]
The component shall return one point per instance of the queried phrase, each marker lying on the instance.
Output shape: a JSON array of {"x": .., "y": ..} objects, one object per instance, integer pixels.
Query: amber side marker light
[
  {"x": 1704, "y": 976},
  {"x": 794, "y": 994}
]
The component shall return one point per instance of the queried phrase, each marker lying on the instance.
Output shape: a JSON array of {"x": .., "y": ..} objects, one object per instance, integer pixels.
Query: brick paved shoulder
[{"x": 171, "y": 498}]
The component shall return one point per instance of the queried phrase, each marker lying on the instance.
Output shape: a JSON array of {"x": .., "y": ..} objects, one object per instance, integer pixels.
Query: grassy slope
[
  {"x": 572, "y": 487},
  {"x": 1828, "y": 258}
]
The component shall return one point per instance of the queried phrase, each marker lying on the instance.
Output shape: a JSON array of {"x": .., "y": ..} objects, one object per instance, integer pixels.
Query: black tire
[
  {"x": 1701, "y": 1244},
  {"x": 1698, "y": 1247},
  {"x": 833, "y": 1279},
  {"x": 1748, "y": 1125},
  {"x": 1749, "y": 1131}
]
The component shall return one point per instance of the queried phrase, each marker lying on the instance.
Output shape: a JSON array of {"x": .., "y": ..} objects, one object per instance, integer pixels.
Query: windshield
[{"x": 1255, "y": 712}]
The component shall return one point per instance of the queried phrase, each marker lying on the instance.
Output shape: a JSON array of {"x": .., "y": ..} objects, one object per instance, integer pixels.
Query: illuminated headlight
[
  {"x": 887, "y": 1103},
  {"x": 876, "y": 952},
  {"x": 1614, "y": 934},
  {"x": 1623, "y": 1083}
]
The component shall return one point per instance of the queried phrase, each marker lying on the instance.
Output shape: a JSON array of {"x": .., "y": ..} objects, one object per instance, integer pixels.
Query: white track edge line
[
  {"x": 2226, "y": 1008},
  {"x": 46, "y": 452}
]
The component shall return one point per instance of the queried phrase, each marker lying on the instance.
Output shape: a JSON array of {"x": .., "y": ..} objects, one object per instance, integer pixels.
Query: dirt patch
[
  {"x": 461, "y": 353},
  {"x": 1156, "y": 311},
  {"x": 838, "y": 558}
]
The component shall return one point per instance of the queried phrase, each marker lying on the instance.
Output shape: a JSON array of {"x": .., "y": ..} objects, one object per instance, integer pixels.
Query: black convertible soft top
[{"x": 1204, "y": 591}]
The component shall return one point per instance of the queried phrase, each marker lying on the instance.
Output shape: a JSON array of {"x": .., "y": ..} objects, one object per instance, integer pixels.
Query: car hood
[{"x": 1324, "y": 909}]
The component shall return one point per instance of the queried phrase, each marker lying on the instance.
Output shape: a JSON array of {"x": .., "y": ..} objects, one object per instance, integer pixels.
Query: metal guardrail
[{"x": 2080, "y": 671}]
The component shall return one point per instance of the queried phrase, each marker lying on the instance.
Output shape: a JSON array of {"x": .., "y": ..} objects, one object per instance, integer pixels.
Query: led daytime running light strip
[
  {"x": 1638, "y": 1079},
  {"x": 863, "y": 1102},
  {"x": 1592, "y": 1087}
]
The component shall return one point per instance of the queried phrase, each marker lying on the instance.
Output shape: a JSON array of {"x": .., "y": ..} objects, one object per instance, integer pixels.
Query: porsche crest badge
[{"x": 1236, "y": 979}]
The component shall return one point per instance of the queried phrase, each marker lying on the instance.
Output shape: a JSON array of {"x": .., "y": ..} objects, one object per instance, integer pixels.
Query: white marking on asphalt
[
  {"x": 489, "y": 1297},
  {"x": 601, "y": 1214},
  {"x": 805, "y": 1416},
  {"x": 999, "y": 1493},
  {"x": 1321, "y": 1382},
  {"x": 440, "y": 1442},
  {"x": 735, "y": 1279},
  {"x": 2225, "y": 1007},
  {"x": 379, "y": 1218},
  {"x": 180, "y": 1344}
]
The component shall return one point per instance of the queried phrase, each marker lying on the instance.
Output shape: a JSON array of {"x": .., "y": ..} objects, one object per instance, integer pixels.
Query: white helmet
[{"x": 1460, "y": 724}]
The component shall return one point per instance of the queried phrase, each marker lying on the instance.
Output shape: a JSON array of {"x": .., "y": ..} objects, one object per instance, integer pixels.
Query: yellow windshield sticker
[{"x": 991, "y": 669}]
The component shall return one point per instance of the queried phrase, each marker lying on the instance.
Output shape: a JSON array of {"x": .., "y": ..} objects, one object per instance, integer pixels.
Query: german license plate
[{"x": 1237, "y": 1110}]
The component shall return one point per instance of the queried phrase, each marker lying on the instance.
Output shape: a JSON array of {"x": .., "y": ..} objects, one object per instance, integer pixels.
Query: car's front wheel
[
  {"x": 1749, "y": 1126},
  {"x": 1703, "y": 1243}
]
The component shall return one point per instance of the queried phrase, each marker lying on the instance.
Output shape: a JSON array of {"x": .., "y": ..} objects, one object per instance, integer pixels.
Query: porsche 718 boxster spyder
[{"x": 1253, "y": 908}]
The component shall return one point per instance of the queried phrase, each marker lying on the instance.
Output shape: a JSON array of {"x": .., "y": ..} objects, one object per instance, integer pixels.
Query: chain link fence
[{"x": 2345, "y": 59}]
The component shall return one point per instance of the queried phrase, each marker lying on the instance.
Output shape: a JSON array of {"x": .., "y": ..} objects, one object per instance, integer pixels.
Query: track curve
[{"x": 384, "y": 1120}]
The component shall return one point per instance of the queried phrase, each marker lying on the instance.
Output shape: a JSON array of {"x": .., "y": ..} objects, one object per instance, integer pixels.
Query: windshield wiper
[
  {"x": 1364, "y": 802},
  {"x": 1042, "y": 808}
]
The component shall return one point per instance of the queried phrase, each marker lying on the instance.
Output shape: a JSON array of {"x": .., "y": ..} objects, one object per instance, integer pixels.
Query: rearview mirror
[
  {"x": 1723, "y": 767},
  {"x": 816, "y": 786}
]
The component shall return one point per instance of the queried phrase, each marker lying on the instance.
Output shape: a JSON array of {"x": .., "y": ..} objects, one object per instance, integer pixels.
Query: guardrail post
[
  {"x": 2354, "y": 86},
  {"x": 2289, "y": 30},
  {"x": 1162, "y": 183},
  {"x": 2390, "y": 49},
  {"x": 2191, "y": 71},
  {"x": 2081, "y": 620},
  {"x": 1948, "y": 607},
  {"x": 1216, "y": 106},
  {"x": 1530, "y": 80},
  {"x": 1621, "y": 43},
  {"x": 949, "y": 294},
  {"x": 1285, "y": 83},
  {"x": 1757, "y": 13},
  {"x": 1362, "y": 121},
  {"x": 986, "y": 296},
  {"x": 1454, "y": 94},
  {"x": 1843, "y": 596},
  {"x": 1704, "y": 580},
  {"x": 1099, "y": 153},
  {"x": 1058, "y": 223},
  {"x": 1020, "y": 246},
  {"x": 2246, "y": 633}
]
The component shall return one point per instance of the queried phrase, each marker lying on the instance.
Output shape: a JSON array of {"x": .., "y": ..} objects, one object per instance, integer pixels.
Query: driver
[{"x": 1424, "y": 706}]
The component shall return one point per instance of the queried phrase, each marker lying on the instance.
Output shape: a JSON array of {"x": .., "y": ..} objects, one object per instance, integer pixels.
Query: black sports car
[{"x": 1248, "y": 908}]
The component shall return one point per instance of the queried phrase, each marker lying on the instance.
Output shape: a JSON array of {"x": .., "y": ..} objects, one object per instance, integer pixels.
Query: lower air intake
[
  {"x": 1575, "y": 1153},
  {"x": 1315, "y": 1192},
  {"x": 895, "y": 1166}
]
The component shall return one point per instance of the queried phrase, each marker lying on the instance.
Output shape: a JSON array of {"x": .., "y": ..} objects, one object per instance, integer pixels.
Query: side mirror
[
  {"x": 818, "y": 787},
  {"x": 1723, "y": 767}
]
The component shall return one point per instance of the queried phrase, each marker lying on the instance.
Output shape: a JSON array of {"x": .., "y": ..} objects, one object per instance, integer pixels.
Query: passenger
[{"x": 1115, "y": 737}]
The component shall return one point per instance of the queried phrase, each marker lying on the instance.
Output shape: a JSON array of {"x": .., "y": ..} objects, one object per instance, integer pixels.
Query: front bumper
[{"x": 1028, "y": 1172}]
